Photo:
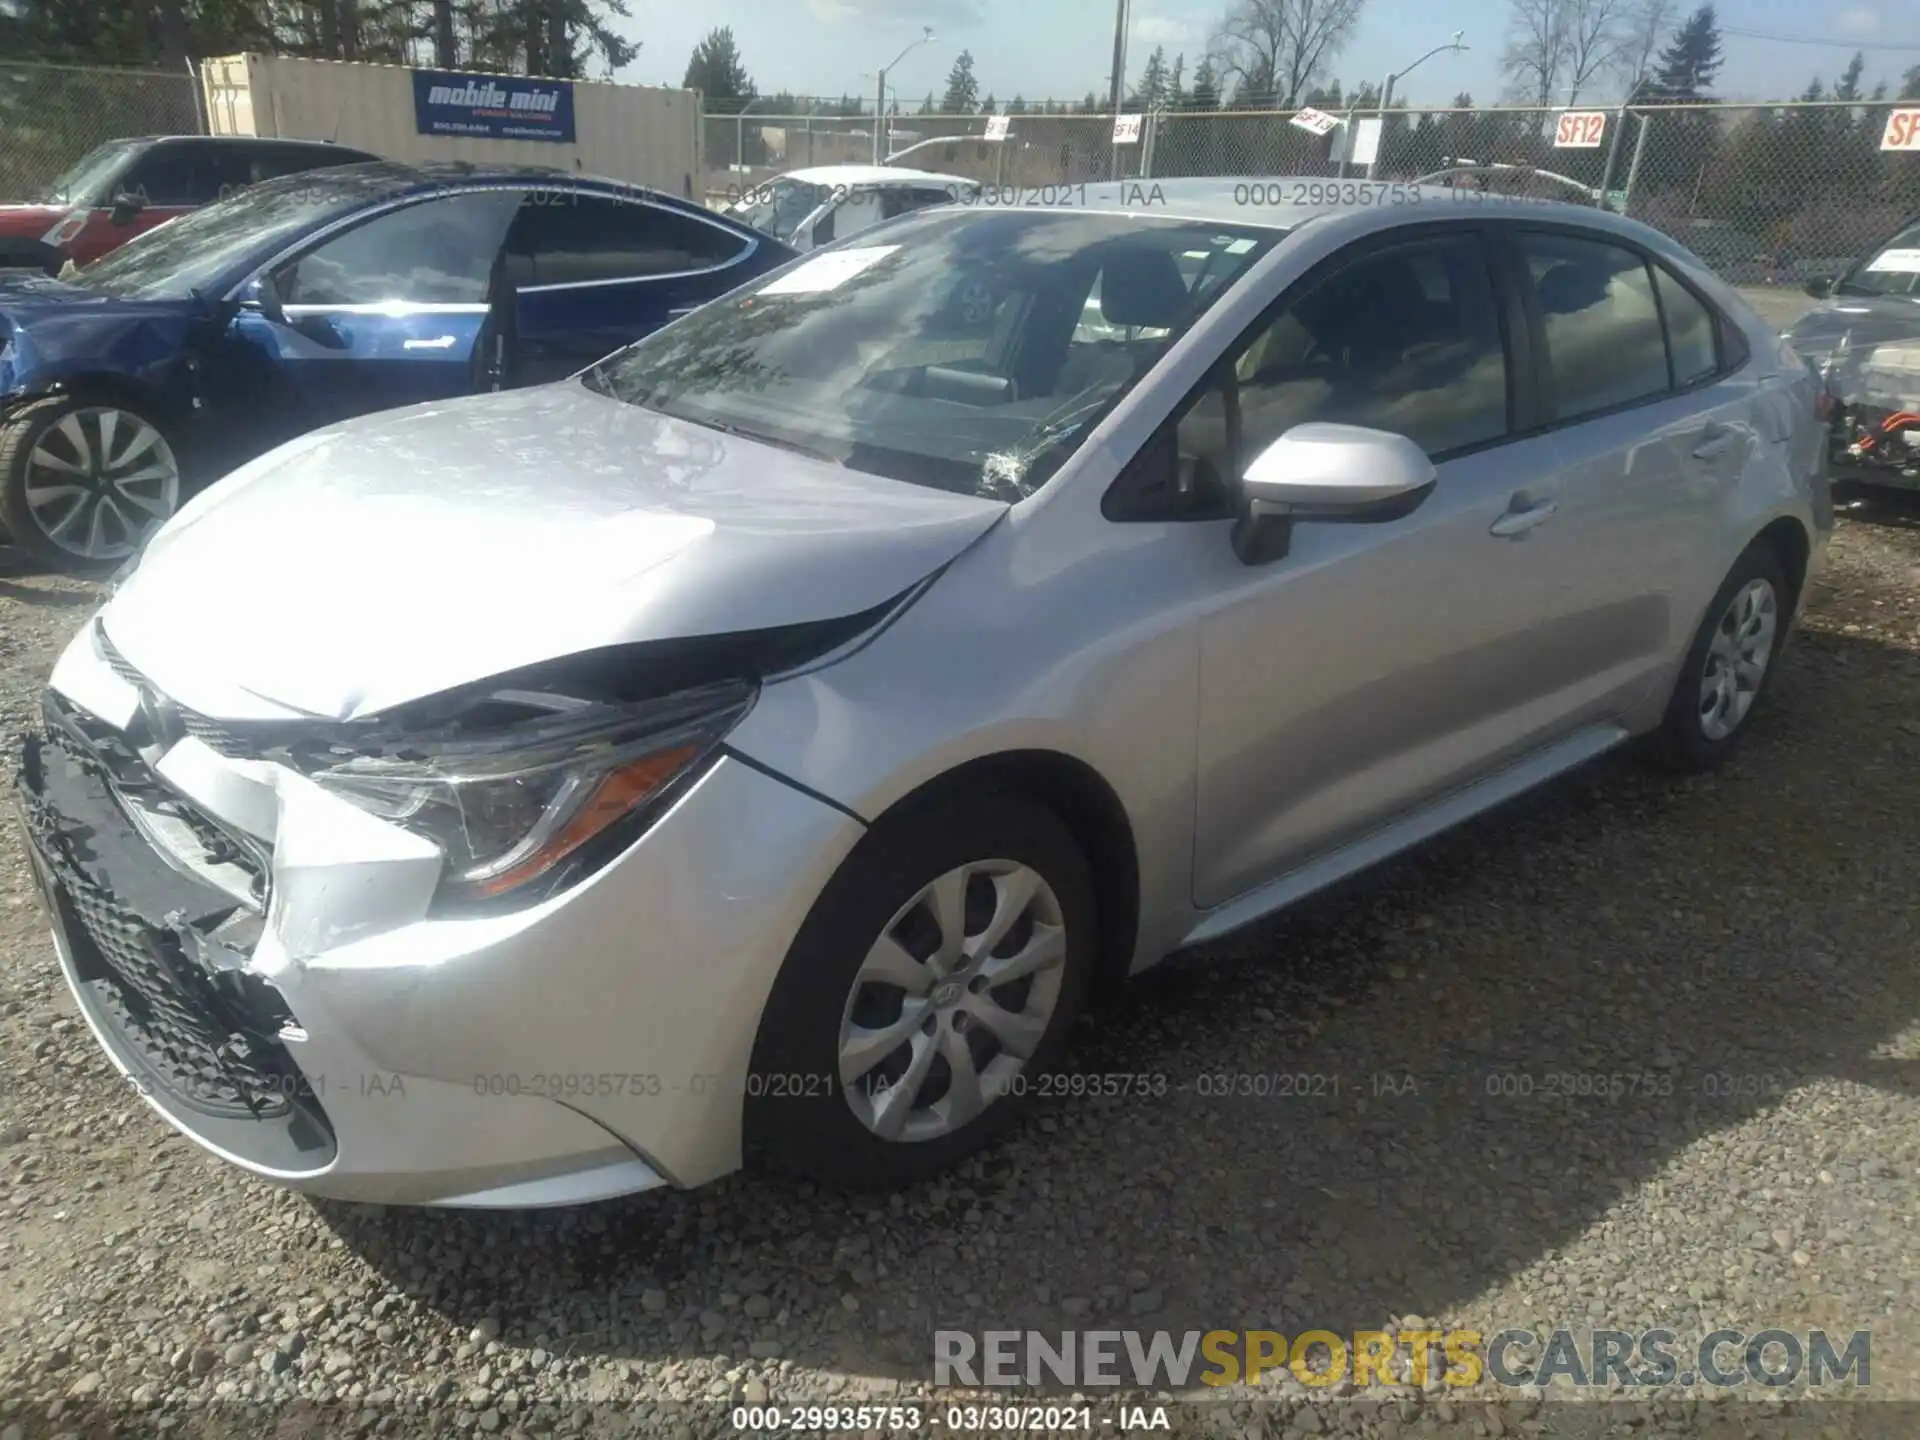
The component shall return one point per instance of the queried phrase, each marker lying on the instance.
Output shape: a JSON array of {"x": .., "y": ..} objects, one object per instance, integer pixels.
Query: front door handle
[
  {"x": 439, "y": 342},
  {"x": 1523, "y": 517},
  {"x": 1715, "y": 441}
]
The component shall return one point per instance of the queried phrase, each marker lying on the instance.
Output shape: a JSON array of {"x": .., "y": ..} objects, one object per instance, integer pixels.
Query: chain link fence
[
  {"x": 1763, "y": 193},
  {"x": 51, "y": 115}
]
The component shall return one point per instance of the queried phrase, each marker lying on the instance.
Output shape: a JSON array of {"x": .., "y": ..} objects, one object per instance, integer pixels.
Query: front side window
[
  {"x": 1893, "y": 269},
  {"x": 1405, "y": 339},
  {"x": 1605, "y": 346},
  {"x": 175, "y": 175},
  {"x": 436, "y": 252},
  {"x": 949, "y": 353},
  {"x": 90, "y": 180},
  {"x": 567, "y": 238}
]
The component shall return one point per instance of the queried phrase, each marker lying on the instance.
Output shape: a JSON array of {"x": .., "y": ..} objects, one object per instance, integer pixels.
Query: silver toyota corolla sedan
[{"x": 758, "y": 747}]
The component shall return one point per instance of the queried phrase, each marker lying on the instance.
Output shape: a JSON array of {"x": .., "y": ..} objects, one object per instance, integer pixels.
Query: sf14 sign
[
  {"x": 1903, "y": 131},
  {"x": 1579, "y": 129},
  {"x": 1126, "y": 129}
]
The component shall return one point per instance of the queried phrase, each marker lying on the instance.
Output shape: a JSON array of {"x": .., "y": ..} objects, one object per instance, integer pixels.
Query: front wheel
[
  {"x": 928, "y": 992},
  {"x": 1728, "y": 665},
  {"x": 84, "y": 482}
]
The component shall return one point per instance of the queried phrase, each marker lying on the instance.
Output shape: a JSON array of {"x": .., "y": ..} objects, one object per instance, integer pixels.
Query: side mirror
[
  {"x": 1339, "y": 474},
  {"x": 126, "y": 205},
  {"x": 1821, "y": 288},
  {"x": 263, "y": 293}
]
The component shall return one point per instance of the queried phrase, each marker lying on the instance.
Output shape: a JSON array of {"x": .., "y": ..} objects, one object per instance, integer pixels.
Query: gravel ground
[{"x": 1741, "y": 942}]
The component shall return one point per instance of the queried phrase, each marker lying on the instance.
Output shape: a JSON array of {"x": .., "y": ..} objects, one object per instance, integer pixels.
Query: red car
[{"x": 124, "y": 187}]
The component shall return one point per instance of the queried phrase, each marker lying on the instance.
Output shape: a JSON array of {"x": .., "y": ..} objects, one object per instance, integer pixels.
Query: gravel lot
[{"x": 1745, "y": 938}]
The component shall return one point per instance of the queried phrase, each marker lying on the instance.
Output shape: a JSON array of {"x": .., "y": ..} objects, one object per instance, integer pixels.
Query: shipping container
[{"x": 649, "y": 135}]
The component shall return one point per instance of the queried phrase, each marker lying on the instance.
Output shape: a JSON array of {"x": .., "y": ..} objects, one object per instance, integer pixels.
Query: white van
[{"x": 807, "y": 208}]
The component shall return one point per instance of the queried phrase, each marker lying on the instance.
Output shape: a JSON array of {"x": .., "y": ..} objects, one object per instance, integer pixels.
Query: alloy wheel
[
  {"x": 99, "y": 480},
  {"x": 1737, "y": 659},
  {"x": 952, "y": 1000}
]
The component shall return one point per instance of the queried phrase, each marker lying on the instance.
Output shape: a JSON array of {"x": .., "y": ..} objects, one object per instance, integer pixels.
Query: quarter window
[
  {"x": 1689, "y": 330},
  {"x": 439, "y": 252},
  {"x": 1604, "y": 342}
]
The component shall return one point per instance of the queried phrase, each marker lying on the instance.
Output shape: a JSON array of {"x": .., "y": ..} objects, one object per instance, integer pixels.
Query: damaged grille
[
  {"x": 209, "y": 732},
  {"x": 193, "y": 1024}
]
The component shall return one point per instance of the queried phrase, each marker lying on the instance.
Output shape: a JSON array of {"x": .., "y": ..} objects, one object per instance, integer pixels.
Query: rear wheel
[
  {"x": 84, "y": 482},
  {"x": 933, "y": 983},
  {"x": 1728, "y": 665}
]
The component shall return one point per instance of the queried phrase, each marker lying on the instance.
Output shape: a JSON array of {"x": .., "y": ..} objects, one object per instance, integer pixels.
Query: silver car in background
[{"x": 757, "y": 747}]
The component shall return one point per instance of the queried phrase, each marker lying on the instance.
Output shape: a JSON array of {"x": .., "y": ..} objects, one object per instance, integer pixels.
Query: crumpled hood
[
  {"x": 1868, "y": 347},
  {"x": 397, "y": 556}
]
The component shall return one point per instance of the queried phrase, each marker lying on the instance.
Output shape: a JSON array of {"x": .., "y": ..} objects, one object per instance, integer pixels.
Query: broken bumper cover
[{"x": 347, "y": 1043}]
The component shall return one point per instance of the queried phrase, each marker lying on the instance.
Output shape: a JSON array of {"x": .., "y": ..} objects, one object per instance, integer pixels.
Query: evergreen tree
[
  {"x": 715, "y": 70},
  {"x": 1691, "y": 60},
  {"x": 963, "y": 90},
  {"x": 1153, "y": 89},
  {"x": 1206, "y": 87}
]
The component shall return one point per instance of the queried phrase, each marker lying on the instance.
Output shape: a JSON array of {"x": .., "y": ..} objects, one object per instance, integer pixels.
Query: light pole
[
  {"x": 1386, "y": 93},
  {"x": 1118, "y": 86},
  {"x": 880, "y": 109}
]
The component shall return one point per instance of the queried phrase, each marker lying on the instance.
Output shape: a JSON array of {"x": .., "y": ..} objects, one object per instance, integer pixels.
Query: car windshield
[
  {"x": 1893, "y": 269},
  {"x": 83, "y": 182},
  {"x": 970, "y": 351},
  {"x": 778, "y": 207},
  {"x": 174, "y": 260}
]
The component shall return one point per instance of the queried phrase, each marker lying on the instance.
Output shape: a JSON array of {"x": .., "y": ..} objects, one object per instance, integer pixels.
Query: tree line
[{"x": 562, "y": 38}]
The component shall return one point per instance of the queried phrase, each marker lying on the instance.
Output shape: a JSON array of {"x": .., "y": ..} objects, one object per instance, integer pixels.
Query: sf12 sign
[
  {"x": 1903, "y": 131},
  {"x": 1126, "y": 129},
  {"x": 1579, "y": 129},
  {"x": 1316, "y": 121}
]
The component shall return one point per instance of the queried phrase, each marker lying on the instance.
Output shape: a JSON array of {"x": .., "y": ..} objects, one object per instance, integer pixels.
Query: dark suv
[{"x": 123, "y": 187}]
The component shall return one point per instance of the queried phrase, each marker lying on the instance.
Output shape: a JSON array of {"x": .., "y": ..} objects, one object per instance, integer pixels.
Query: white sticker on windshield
[
  {"x": 1239, "y": 247},
  {"x": 1907, "y": 262},
  {"x": 829, "y": 271}
]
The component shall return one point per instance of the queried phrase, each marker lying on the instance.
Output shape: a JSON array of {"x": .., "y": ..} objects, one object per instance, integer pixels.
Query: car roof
[
  {"x": 872, "y": 175},
  {"x": 284, "y": 141},
  {"x": 395, "y": 179},
  {"x": 1282, "y": 202}
]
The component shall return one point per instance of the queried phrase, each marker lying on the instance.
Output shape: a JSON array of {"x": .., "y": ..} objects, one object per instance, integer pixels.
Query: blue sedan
[{"x": 306, "y": 300}]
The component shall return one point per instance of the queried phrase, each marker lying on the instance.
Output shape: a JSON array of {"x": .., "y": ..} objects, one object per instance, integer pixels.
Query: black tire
[
  {"x": 19, "y": 433},
  {"x": 1683, "y": 741},
  {"x": 798, "y": 1117}
]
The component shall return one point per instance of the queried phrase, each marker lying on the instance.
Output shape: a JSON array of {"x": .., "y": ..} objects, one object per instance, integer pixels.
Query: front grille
[
  {"x": 166, "y": 1012},
  {"x": 211, "y": 733},
  {"x": 158, "y": 953}
]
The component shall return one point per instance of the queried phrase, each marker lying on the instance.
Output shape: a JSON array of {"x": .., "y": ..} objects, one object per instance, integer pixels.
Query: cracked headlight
[{"x": 526, "y": 791}]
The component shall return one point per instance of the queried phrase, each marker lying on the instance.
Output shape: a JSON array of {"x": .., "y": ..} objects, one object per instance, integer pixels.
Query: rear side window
[
  {"x": 1604, "y": 341},
  {"x": 566, "y": 238},
  {"x": 1689, "y": 330}
]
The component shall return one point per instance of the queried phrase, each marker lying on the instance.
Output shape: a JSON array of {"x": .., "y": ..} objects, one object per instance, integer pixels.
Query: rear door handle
[
  {"x": 1522, "y": 518},
  {"x": 1715, "y": 441}
]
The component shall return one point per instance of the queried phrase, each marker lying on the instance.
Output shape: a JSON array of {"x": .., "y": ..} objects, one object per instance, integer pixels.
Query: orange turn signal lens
[{"x": 618, "y": 792}]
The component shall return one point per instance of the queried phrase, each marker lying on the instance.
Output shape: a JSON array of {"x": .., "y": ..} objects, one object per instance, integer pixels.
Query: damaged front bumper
[{"x": 259, "y": 960}]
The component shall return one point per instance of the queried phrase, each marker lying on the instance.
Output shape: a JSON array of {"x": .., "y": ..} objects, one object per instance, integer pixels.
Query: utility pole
[{"x": 1119, "y": 89}]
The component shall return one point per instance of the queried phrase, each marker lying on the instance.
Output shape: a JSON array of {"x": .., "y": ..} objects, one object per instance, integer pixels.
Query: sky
[{"x": 1061, "y": 49}]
